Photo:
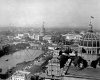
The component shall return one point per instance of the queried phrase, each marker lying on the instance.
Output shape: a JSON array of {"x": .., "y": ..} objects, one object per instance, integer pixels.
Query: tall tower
[{"x": 43, "y": 30}]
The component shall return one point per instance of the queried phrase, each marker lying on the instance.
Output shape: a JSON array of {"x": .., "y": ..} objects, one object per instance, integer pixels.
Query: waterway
[{"x": 9, "y": 61}]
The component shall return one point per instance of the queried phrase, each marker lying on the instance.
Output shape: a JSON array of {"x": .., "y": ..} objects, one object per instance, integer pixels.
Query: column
[
  {"x": 96, "y": 50},
  {"x": 91, "y": 51},
  {"x": 87, "y": 51},
  {"x": 83, "y": 43},
  {"x": 92, "y": 43}
]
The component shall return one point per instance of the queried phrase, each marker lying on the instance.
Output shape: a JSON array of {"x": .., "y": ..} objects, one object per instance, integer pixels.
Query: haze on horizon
[{"x": 55, "y": 13}]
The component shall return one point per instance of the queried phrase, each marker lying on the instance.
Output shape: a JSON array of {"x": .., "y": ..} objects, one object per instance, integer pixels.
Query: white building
[
  {"x": 19, "y": 36},
  {"x": 72, "y": 36},
  {"x": 26, "y": 35},
  {"x": 20, "y": 75},
  {"x": 89, "y": 46},
  {"x": 82, "y": 32},
  {"x": 47, "y": 37},
  {"x": 37, "y": 37}
]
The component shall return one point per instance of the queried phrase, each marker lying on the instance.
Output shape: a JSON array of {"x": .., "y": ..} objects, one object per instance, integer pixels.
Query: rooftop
[
  {"x": 76, "y": 74},
  {"x": 85, "y": 73}
]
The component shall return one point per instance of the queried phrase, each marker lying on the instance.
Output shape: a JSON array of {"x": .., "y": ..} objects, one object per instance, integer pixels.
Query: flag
[{"x": 92, "y": 17}]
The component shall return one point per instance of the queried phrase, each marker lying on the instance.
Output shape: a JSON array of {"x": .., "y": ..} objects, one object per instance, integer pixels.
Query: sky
[{"x": 55, "y": 13}]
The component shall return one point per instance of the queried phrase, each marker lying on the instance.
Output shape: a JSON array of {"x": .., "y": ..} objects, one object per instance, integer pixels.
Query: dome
[
  {"x": 90, "y": 36},
  {"x": 89, "y": 46},
  {"x": 90, "y": 39}
]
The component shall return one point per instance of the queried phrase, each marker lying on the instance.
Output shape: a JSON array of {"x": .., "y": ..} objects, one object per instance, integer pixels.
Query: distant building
[
  {"x": 19, "y": 36},
  {"x": 35, "y": 46},
  {"x": 47, "y": 38},
  {"x": 70, "y": 36},
  {"x": 75, "y": 37},
  {"x": 26, "y": 35},
  {"x": 3, "y": 38},
  {"x": 10, "y": 37},
  {"x": 82, "y": 32}
]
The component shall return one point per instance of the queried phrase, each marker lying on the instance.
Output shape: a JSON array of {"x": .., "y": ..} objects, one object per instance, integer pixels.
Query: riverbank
[{"x": 9, "y": 61}]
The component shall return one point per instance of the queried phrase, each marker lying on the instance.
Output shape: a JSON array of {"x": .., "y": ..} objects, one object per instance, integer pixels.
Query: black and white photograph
[{"x": 49, "y": 39}]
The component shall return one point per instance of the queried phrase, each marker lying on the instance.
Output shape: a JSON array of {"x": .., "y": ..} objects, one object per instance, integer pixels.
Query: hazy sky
[{"x": 60, "y": 13}]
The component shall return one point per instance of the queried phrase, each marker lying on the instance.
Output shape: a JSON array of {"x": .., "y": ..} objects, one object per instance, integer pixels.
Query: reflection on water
[{"x": 9, "y": 61}]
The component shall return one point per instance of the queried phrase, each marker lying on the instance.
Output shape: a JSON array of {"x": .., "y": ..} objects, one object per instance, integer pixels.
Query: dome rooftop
[
  {"x": 90, "y": 36},
  {"x": 90, "y": 39}
]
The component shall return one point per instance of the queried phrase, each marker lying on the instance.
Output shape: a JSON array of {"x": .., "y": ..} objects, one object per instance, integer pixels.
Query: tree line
[{"x": 59, "y": 39}]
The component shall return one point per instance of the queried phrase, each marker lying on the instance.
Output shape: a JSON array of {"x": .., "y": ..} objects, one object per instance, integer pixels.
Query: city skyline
[{"x": 55, "y": 13}]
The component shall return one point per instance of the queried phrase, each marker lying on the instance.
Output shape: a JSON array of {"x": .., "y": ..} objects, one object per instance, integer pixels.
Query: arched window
[
  {"x": 93, "y": 52},
  {"x": 81, "y": 43},
  {"x": 90, "y": 43},
  {"x": 94, "y": 43},
  {"x": 88, "y": 51},
  {"x": 98, "y": 44},
  {"x": 85, "y": 43}
]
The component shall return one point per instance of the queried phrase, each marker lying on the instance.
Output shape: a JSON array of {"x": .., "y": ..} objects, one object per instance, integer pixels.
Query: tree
[{"x": 58, "y": 39}]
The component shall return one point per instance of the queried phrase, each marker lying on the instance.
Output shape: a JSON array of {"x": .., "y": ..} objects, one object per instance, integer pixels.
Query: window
[
  {"x": 89, "y": 43},
  {"x": 94, "y": 43},
  {"x": 85, "y": 43},
  {"x": 93, "y": 52},
  {"x": 81, "y": 43},
  {"x": 98, "y": 43},
  {"x": 88, "y": 51}
]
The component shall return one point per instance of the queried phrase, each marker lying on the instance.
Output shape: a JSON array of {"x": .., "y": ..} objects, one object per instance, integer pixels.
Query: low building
[
  {"x": 20, "y": 75},
  {"x": 35, "y": 46},
  {"x": 19, "y": 36},
  {"x": 37, "y": 37},
  {"x": 47, "y": 37},
  {"x": 75, "y": 37},
  {"x": 53, "y": 67}
]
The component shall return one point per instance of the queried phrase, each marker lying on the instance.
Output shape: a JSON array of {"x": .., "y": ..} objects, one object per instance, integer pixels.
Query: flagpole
[{"x": 91, "y": 18}]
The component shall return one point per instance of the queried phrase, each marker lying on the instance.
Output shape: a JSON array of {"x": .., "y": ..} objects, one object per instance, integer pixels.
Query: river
[{"x": 9, "y": 61}]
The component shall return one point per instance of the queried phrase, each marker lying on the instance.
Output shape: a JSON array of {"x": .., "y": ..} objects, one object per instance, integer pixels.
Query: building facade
[
  {"x": 89, "y": 46},
  {"x": 20, "y": 75}
]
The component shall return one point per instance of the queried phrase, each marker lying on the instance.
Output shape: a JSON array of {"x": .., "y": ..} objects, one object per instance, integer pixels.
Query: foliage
[
  {"x": 9, "y": 49},
  {"x": 59, "y": 39}
]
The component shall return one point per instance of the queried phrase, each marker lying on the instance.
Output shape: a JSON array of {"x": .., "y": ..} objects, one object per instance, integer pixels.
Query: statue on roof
[{"x": 90, "y": 25}]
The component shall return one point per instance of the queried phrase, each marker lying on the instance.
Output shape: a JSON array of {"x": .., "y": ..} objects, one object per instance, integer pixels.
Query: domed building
[{"x": 89, "y": 46}]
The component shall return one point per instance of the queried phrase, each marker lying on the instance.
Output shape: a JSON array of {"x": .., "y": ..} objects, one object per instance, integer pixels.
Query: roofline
[
  {"x": 82, "y": 77},
  {"x": 88, "y": 47}
]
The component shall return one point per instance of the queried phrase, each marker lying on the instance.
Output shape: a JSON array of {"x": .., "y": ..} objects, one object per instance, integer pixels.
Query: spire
[
  {"x": 43, "y": 25},
  {"x": 43, "y": 30}
]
